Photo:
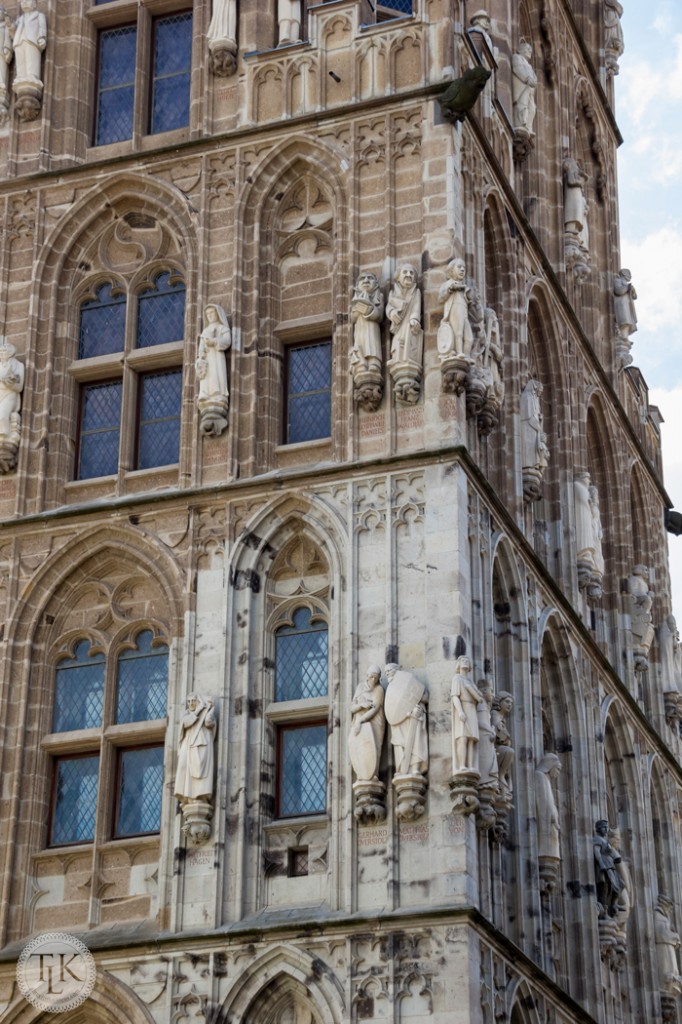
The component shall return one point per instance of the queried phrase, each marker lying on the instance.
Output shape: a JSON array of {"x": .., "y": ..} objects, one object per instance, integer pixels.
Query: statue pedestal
[
  {"x": 410, "y": 790},
  {"x": 608, "y": 941},
  {"x": 454, "y": 369},
  {"x": 464, "y": 792},
  {"x": 489, "y": 416},
  {"x": 668, "y": 1009},
  {"x": 370, "y": 801},
  {"x": 223, "y": 57},
  {"x": 476, "y": 386},
  {"x": 532, "y": 483},
  {"x": 522, "y": 144},
  {"x": 196, "y": 821},
  {"x": 673, "y": 707},
  {"x": 623, "y": 346},
  {"x": 368, "y": 388},
  {"x": 407, "y": 380},
  {"x": 9, "y": 450},
  {"x": 486, "y": 814},
  {"x": 549, "y": 872},
  {"x": 28, "y": 99},
  {"x": 213, "y": 415}
]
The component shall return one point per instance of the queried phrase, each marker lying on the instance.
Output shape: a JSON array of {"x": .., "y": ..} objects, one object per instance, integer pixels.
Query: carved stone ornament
[
  {"x": 11, "y": 386},
  {"x": 588, "y": 536},
  {"x": 222, "y": 38},
  {"x": 211, "y": 370},
  {"x": 404, "y": 311},
  {"x": 465, "y": 700},
  {"x": 576, "y": 230},
  {"x": 488, "y": 783},
  {"x": 30, "y": 39},
  {"x": 406, "y": 714},
  {"x": 547, "y": 815},
  {"x": 484, "y": 385},
  {"x": 614, "y": 44},
  {"x": 288, "y": 21},
  {"x": 455, "y": 339},
  {"x": 366, "y": 314},
  {"x": 670, "y": 657},
  {"x": 667, "y": 945},
  {"x": 194, "y": 779},
  {"x": 622, "y": 906},
  {"x": 365, "y": 742},
  {"x": 6, "y": 55},
  {"x": 624, "y": 296},
  {"x": 534, "y": 450},
  {"x": 639, "y": 602},
  {"x": 503, "y": 704},
  {"x": 524, "y": 84},
  {"x": 459, "y": 96}
]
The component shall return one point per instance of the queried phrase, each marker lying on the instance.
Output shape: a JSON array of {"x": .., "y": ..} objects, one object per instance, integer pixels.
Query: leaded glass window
[
  {"x": 142, "y": 681},
  {"x": 302, "y": 770},
  {"x": 308, "y": 391},
  {"x": 74, "y": 802},
  {"x": 172, "y": 65},
  {"x": 393, "y": 8},
  {"x": 79, "y": 690},
  {"x": 301, "y": 658},
  {"x": 102, "y": 324},
  {"x": 161, "y": 313},
  {"x": 160, "y": 402},
  {"x": 116, "y": 85},
  {"x": 140, "y": 783},
  {"x": 99, "y": 429}
]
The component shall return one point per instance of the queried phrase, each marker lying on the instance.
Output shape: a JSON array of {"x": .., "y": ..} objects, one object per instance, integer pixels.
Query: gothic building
[{"x": 339, "y": 678}]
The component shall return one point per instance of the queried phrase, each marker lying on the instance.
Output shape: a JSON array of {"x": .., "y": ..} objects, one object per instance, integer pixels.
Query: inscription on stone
[
  {"x": 200, "y": 859},
  {"x": 410, "y": 419},
  {"x": 414, "y": 834},
  {"x": 372, "y": 426},
  {"x": 372, "y": 836},
  {"x": 455, "y": 825}
]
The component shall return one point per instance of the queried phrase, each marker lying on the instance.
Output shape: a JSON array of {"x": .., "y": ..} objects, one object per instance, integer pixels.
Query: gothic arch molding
[{"x": 111, "y": 1002}]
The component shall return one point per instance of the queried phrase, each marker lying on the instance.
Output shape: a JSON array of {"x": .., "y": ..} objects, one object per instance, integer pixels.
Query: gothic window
[
  {"x": 308, "y": 389},
  {"x": 150, "y": 58},
  {"x": 102, "y": 783},
  {"x": 129, "y": 409},
  {"x": 386, "y": 9}
]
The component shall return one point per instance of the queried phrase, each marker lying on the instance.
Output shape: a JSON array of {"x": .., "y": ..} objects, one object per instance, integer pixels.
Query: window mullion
[
  {"x": 142, "y": 76},
  {"x": 129, "y": 414}
]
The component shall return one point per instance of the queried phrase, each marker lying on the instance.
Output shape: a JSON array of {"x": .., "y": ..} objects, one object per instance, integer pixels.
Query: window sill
[
  {"x": 64, "y": 850},
  {"x": 299, "y": 446},
  {"x": 295, "y": 710},
  {"x": 297, "y": 823},
  {"x": 74, "y": 742},
  {"x": 130, "y": 734}
]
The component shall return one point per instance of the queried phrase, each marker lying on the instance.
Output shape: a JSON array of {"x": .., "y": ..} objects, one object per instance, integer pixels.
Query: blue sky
[{"x": 649, "y": 114}]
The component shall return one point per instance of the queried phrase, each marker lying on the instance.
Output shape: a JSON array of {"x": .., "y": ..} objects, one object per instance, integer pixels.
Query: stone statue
[
  {"x": 480, "y": 22},
  {"x": 667, "y": 945},
  {"x": 623, "y": 903},
  {"x": 547, "y": 770},
  {"x": 503, "y": 705},
  {"x": 366, "y": 314},
  {"x": 626, "y": 316},
  {"x": 6, "y": 54},
  {"x": 614, "y": 44},
  {"x": 524, "y": 84},
  {"x": 640, "y": 601},
  {"x": 575, "y": 218},
  {"x": 455, "y": 334},
  {"x": 607, "y": 878},
  {"x": 222, "y": 38},
  {"x": 289, "y": 20},
  {"x": 406, "y": 701},
  {"x": 597, "y": 537},
  {"x": 484, "y": 384},
  {"x": 366, "y": 736},
  {"x": 403, "y": 311},
  {"x": 588, "y": 533},
  {"x": 466, "y": 699},
  {"x": 669, "y": 657},
  {"x": 211, "y": 370},
  {"x": 11, "y": 386},
  {"x": 30, "y": 39},
  {"x": 194, "y": 779},
  {"x": 534, "y": 450},
  {"x": 459, "y": 96}
]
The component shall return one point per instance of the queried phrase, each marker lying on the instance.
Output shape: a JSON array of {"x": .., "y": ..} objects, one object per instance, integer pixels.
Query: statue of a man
[
  {"x": 608, "y": 880},
  {"x": 30, "y": 39},
  {"x": 584, "y": 532},
  {"x": 503, "y": 705},
  {"x": 575, "y": 203},
  {"x": 624, "y": 303},
  {"x": 406, "y": 700},
  {"x": 614, "y": 43},
  {"x": 366, "y": 312},
  {"x": 366, "y": 736},
  {"x": 549, "y": 830},
  {"x": 214, "y": 340},
  {"x": 455, "y": 334},
  {"x": 222, "y": 28},
  {"x": 524, "y": 84},
  {"x": 6, "y": 51},
  {"x": 404, "y": 311},
  {"x": 667, "y": 945},
  {"x": 194, "y": 777},
  {"x": 534, "y": 450},
  {"x": 289, "y": 21},
  {"x": 640, "y": 600},
  {"x": 668, "y": 647},
  {"x": 466, "y": 698}
]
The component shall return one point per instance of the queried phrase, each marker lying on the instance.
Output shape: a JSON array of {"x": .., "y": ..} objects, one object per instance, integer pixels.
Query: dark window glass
[
  {"x": 116, "y": 85},
  {"x": 301, "y": 658},
  {"x": 302, "y": 770},
  {"x": 390, "y": 8},
  {"x": 309, "y": 391},
  {"x": 142, "y": 681},
  {"x": 79, "y": 690},
  {"x": 75, "y": 800},
  {"x": 159, "y": 438},
  {"x": 161, "y": 313},
  {"x": 140, "y": 782},
  {"x": 99, "y": 430},
  {"x": 171, "y": 72},
  {"x": 103, "y": 324}
]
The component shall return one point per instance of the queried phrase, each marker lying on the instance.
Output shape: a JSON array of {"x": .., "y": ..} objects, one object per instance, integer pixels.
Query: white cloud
[
  {"x": 656, "y": 265},
  {"x": 665, "y": 18}
]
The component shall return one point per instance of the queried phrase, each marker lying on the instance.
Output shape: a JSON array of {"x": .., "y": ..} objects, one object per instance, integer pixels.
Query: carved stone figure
[
  {"x": 623, "y": 903},
  {"x": 667, "y": 945},
  {"x": 30, "y": 39},
  {"x": 588, "y": 535},
  {"x": 365, "y": 742},
  {"x": 222, "y": 38},
  {"x": 607, "y": 878},
  {"x": 211, "y": 370},
  {"x": 575, "y": 218},
  {"x": 487, "y": 371},
  {"x": 480, "y": 22},
  {"x": 639, "y": 601},
  {"x": 524, "y": 84},
  {"x": 403, "y": 311},
  {"x": 669, "y": 656},
  {"x": 549, "y": 850},
  {"x": 503, "y": 705},
  {"x": 459, "y": 96},
  {"x": 455, "y": 339},
  {"x": 366, "y": 313},
  {"x": 534, "y": 450},
  {"x": 289, "y": 21},
  {"x": 488, "y": 785},
  {"x": 405, "y": 705},
  {"x": 614, "y": 44},
  {"x": 6, "y": 54},
  {"x": 194, "y": 779},
  {"x": 11, "y": 386},
  {"x": 466, "y": 698},
  {"x": 625, "y": 313}
]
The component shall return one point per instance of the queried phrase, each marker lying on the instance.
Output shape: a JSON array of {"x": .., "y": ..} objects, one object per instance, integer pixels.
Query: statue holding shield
[{"x": 405, "y": 707}]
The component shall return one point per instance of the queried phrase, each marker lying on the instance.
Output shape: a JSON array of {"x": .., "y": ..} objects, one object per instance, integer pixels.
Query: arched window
[{"x": 101, "y": 787}]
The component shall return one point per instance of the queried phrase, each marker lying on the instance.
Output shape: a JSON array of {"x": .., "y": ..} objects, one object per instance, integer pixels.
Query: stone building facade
[{"x": 339, "y": 677}]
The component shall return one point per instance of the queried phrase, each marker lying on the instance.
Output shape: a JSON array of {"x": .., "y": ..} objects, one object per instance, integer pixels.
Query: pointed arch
[{"x": 110, "y": 1002}]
